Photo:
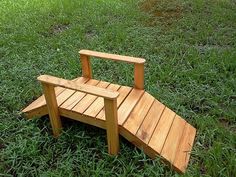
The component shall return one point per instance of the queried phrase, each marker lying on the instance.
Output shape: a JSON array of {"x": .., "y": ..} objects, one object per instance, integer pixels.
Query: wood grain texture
[
  {"x": 128, "y": 105},
  {"x": 137, "y": 116},
  {"x": 172, "y": 141},
  {"x": 85, "y": 102},
  {"x": 98, "y": 104},
  {"x": 161, "y": 131},
  {"x": 150, "y": 121},
  {"x": 112, "y": 56},
  {"x": 86, "y": 66},
  {"x": 112, "y": 126},
  {"x": 124, "y": 92},
  {"x": 185, "y": 147},
  {"x": 78, "y": 87},
  {"x": 139, "y": 76},
  {"x": 77, "y": 96},
  {"x": 51, "y": 101}
]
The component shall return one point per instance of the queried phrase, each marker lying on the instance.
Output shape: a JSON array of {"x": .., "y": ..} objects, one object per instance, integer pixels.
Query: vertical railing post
[
  {"x": 49, "y": 93},
  {"x": 86, "y": 66},
  {"x": 112, "y": 126},
  {"x": 139, "y": 75}
]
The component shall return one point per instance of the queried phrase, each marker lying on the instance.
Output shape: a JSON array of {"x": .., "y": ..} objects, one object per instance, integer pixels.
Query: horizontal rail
[
  {"x": 78, "y": 87},
  {"x": 112, "y": 56}
]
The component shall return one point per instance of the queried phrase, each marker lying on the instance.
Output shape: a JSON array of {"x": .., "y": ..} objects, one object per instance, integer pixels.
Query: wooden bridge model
[{"x": 129, "y": 111}]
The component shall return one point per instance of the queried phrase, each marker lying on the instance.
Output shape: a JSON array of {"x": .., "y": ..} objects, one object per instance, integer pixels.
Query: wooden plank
[
  {"x": 51, "y": 101},
  {"x": 185, "y": 147},
  {"x": 172, "y": 141},
  {"x": 139, "y": 76},
  {"x": 137, "y": 116},
  {"x": 112, "y": 56},
  {"x": 83, "y": 104},
  {"x": 161, "y": 131},
  {"x": 77, "y": 96},
  {"x": 98, "y": 104},
  {"x": 112, "y": 126},
  {"x": 78, "y": 87},
  {"x": 67, "y": 93},
  {"x": 124, "y": 91},
  {"x": 128, "y": 105},
  {"x": 150, "y": 121},
  {"x": 86, "y": 66},
  {"x": 41, "y": 102}
]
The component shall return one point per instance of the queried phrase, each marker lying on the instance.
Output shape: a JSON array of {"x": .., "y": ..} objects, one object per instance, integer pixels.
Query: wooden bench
[{"x": 129, "y": 111}]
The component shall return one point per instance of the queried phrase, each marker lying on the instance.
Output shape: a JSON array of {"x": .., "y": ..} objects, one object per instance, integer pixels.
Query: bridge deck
[{"x": 142, "y": 119}]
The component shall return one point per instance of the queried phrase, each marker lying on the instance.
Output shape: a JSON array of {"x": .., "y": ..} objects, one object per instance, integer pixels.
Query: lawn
[{"x": 190, "y": 48}]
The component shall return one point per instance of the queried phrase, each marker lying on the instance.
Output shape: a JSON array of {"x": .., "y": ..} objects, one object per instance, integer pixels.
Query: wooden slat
[
  {"x": 78, "y": 87},
  {"x": 68, "y": 92},
  {"x": 172, "y": 141},
  {"x": 146, "y": 129},
  {"x": 112, "y": 56},
  {"x": 161, "y": 131},
  {"x": 41, "y": 102},
  {"x": 77, "y": 96},
  {"x": 83, "y": 104},
  {"x": 98, "y": 104},
  {"x": 124, "y": 91},
  {"x": 137, "y": 116},
  {"x": 128, "y": 105},
  {"x": 185, "y": 147}
]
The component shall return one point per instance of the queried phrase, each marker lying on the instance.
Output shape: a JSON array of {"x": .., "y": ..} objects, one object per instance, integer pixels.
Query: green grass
[{"x": 190, "y": 48}]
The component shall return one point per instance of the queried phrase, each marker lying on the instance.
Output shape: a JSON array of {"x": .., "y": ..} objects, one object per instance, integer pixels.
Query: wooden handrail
[
  {"x": 112, "y": 56},
  {"x": 138, "y": 64},
  {"x": 55, "y": 81}
]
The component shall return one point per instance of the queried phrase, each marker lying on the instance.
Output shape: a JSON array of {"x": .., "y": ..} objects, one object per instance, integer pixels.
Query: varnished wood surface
[{"x": 143, "y": 120}]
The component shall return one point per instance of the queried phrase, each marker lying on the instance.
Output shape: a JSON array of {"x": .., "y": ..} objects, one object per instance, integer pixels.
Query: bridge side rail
[
  {"x": 138, "y": 64},
  {"x": 110, "y": 103}
]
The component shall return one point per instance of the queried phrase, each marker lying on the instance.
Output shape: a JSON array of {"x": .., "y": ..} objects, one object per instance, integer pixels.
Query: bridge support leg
[
  {"x": 49, "y": 93},
  {"x": 112, "y": 126}
]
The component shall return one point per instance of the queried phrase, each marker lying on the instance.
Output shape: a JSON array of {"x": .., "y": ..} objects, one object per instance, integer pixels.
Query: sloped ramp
[{"x": 142, "y": 119}]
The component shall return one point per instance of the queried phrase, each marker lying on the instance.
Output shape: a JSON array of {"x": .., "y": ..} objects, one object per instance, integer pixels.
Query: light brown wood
[
  {"x": 140, "y": 120},
  {"x": 137, "y": 116},
  {"x": 38, "y": 107},
  {"x": 85, "y": 102},
  {"x": 112, "y": 56},
  {"x": 98, "y": 104},
  {"x": 128, "y": 105},
  {"x": 67, "y": 93},
  {"x": 123, "y": 93},
  {"x": 150, "y": 121},
  {"x": 172, "y": 141},
  {"x": 78, "y": 87},
  {"x": 40, "y": 101},
  {"x": 51, "y": 101},
  {"x": 77, "y": 96},
  {"x": 139, "y": 76},
  {"x": 185, "y": 147},
  {"x": 161, "y": 131},
  {"x": 112, "y": 126},
  {"x": 86, "y": 66}
]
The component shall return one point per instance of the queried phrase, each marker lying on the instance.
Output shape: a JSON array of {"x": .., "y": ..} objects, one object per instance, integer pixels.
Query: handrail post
[
  {"x": 86, "y": 66},
  {"x": 139, "y": 75},
  {"x": 49, "y": 94},
  {"x": 112, "y": 125}
]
